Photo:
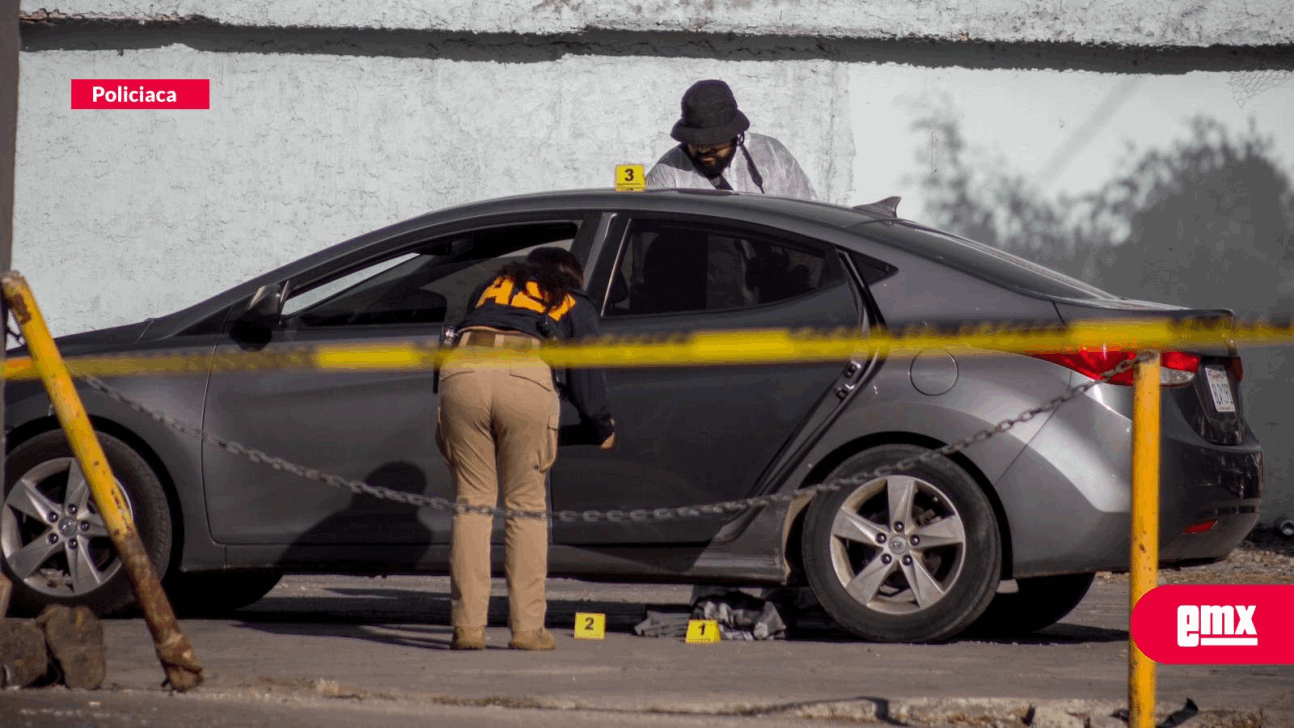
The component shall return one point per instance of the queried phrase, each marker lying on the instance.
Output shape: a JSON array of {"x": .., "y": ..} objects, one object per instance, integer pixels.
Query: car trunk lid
[{"x": 1210, "y": 401}]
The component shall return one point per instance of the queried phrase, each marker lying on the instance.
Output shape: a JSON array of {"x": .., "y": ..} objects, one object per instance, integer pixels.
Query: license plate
[{"x": 1220, "y": 388}]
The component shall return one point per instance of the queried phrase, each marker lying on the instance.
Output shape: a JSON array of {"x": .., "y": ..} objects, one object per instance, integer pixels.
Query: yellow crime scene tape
[{"x": 746, "y": 347}]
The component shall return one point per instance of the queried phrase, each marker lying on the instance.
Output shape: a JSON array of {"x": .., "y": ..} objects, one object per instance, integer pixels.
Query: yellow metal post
[
  {"x": 173, "y": 650},
  {"x": 1145, "y": 531}
]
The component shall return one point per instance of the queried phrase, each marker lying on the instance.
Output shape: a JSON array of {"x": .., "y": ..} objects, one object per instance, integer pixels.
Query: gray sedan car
[{"x": 1005, "y": 534}]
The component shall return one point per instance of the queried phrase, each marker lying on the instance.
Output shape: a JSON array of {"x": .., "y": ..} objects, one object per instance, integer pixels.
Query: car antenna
[{"x": 888, "y": 207}]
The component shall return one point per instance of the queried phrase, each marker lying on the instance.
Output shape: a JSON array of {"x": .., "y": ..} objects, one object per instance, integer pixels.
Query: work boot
[
  {"x": 468, "y": 638},
  {"x": 538, "y": 639}
]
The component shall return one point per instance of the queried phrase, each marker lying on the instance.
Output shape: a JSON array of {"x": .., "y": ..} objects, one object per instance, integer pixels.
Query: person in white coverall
[{"x": 715, "y": 152}]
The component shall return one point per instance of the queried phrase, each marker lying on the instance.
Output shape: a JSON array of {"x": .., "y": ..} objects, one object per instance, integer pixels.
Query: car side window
[
  {"x": 679, "y": 267},
  {"x": 357, "y": 283},
  {"x": 428, "y": 284}
]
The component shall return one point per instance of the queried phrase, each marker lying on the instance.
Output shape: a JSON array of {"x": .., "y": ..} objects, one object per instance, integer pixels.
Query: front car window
[{"x": 429, "y": 284}]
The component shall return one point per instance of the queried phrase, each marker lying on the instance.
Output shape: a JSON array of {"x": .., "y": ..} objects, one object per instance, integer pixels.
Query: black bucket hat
[{"x": 710, "y": 115}]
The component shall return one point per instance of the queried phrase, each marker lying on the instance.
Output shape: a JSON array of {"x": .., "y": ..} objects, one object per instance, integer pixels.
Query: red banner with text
[
  {"x": 1216, "y": 624},
  {"x": 141, "y": 93}
]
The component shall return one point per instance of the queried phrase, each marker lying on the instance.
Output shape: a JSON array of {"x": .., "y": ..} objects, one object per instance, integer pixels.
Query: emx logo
[
  {"x": 1216, "y": 624},
  {"x": 1213, "y": 625}
]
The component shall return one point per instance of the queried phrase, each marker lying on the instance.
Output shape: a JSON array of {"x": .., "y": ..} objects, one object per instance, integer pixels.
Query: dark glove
[{"x": 582, "y": 434}]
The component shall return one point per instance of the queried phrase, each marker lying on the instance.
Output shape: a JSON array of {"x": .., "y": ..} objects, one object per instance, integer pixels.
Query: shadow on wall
[{"x": 1207, "y": 222}]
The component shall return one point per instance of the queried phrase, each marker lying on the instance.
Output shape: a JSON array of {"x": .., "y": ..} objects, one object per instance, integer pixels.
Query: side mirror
[{"x": 255, "y": 325}]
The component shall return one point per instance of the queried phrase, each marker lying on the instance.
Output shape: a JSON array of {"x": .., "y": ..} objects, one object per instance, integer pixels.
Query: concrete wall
[
  {"x": 1198, "y": 23},
  {"x": 331, "y": 119}
]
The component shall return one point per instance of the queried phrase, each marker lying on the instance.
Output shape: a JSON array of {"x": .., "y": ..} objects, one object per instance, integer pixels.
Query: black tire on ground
[
  {"x": 961, "y": 549},
  {"x": 216, "y": 593},
  {"x": 1040, "y": 602},
  {"x": 149, "y": 510},
  {"x": 1285, "y": 527}
]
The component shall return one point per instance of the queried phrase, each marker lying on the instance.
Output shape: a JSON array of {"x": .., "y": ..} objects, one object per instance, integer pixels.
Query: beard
[{"x": 713, "y": 166}]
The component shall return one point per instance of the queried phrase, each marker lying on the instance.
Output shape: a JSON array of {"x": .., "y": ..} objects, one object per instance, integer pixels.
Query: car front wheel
[
  {"x": 909, "y": 557},
  {"x": 54, "y": 543}
]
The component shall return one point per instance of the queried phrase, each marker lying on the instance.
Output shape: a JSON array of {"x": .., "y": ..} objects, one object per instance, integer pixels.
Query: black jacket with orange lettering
[{"x": 499, "y": 304}]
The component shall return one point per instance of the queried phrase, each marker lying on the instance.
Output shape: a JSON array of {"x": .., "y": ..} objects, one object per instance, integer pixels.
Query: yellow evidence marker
[
  {"x": 702, "y": 630},
  {"x": 590, "y": 626},
  {"x": 630, "y": 178}
]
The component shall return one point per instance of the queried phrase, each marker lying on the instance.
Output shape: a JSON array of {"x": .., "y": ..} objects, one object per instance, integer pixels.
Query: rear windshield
[{"x": 985, "y": 261}]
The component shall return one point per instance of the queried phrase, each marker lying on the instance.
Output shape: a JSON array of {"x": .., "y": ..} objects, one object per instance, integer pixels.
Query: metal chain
[{"x": 611, "y": 516}]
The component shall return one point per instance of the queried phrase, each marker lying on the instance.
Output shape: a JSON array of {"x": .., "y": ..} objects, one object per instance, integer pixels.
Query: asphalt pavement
[{"x": 374, "y": 651}]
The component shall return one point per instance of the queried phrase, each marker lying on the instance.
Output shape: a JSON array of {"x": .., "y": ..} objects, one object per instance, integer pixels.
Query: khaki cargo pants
[{"x": 497, "y": 428}]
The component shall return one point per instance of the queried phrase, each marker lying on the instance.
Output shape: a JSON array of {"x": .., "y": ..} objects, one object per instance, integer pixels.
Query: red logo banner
[
  {"x": 1216, "y": 624},
  {"x": 141, "y": 93}
]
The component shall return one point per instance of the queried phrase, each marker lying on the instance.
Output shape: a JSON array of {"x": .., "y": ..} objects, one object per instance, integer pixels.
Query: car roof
[
  {"x": 769, "y": 209},
  {"x": 674, "y": 200}
]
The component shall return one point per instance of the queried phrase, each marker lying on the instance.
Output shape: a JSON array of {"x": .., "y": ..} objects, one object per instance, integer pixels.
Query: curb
[{"x": 914, "y": 712}]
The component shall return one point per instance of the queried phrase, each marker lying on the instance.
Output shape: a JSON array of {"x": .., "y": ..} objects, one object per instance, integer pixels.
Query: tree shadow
[{"x": 1206, "y": 222}]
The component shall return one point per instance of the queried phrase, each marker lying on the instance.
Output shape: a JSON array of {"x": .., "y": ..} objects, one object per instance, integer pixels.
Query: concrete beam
[
  {"x": 9, "y": 46},
  {"x": 1147, "y": 23}
]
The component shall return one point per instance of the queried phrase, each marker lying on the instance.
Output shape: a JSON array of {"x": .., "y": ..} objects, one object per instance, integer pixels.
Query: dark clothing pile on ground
[{"x": 739, "y": 615}]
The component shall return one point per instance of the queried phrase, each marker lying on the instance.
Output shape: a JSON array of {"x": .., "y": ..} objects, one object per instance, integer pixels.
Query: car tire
[
  {"x": 39, "y": 554},
  {"x": 215, "y": 594},
  {"x": 955, "y": 563},
  {"x": 1285, "y": 526},
  {"x": 1038, "y": 603}
]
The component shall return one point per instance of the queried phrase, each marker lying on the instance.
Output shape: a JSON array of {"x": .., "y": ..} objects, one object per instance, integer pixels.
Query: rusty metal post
[
  {"x": 181, "y": 665},
  {"x": 9, "y": 45},
  {"x": 1144, "y": 567}
]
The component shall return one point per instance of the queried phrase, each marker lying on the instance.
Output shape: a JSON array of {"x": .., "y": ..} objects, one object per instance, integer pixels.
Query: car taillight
[{"x": 1175, "y": 367}]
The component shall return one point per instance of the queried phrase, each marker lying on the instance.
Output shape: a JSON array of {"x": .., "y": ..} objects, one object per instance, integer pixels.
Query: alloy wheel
[
  {"x": 51, "y": 535},
  {"x": 898, "y": 544}
]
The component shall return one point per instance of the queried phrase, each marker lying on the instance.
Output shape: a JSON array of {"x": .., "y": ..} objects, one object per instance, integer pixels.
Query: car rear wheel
[
  {"x": 1038, "y": 603},
  {"x": 214, "y": 594},
  {"x": 54, "y": 544},
  {"x": 910, "y": 557}
]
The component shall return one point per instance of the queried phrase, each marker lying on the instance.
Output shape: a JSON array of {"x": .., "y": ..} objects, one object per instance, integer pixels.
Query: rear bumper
[
  {"x": 1068, "y": 496},
  {"x": 1203, "y": 483}
]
